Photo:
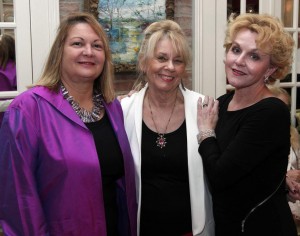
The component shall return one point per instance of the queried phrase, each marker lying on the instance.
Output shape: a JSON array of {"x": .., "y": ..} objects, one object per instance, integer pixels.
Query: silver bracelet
[{"x": 205, "y": 134}]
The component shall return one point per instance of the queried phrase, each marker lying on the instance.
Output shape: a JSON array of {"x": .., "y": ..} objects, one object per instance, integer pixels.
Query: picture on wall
[{"x": 124, "y": 22}]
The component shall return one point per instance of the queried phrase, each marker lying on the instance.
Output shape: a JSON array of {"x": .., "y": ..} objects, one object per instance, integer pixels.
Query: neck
[
  {"x": 162, "y": 130},
  {"x": 162, "y": 100},
  {"x": 82, "y": 94},
  {"x": 245, "y": 98}
]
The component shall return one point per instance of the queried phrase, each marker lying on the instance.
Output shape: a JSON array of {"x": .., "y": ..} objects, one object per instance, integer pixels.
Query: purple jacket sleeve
[{"x": 18, "y": 145}]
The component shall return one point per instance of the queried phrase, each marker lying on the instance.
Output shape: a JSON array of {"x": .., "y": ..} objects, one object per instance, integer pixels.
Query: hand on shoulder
[{"x": 120, "y": 97}]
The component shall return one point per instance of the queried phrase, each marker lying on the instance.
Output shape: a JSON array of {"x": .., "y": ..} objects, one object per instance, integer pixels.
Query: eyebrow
[
  {"x": 166, "y": 54},
  {"x": 79, "y": 37},
  {"x": 252, "y": 50}
]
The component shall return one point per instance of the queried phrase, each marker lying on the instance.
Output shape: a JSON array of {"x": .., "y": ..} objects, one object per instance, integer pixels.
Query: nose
[
  {"x": 240, "y": 60},
  {"x": 87, "y": 51},
  {"x": 170, "y": 65}
]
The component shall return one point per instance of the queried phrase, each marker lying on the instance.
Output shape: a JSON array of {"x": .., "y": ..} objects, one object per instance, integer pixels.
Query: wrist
[{"x": 203, "y": 134}]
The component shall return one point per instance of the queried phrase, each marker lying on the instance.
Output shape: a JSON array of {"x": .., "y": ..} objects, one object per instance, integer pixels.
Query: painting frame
[{"x": 120, "y": 66}]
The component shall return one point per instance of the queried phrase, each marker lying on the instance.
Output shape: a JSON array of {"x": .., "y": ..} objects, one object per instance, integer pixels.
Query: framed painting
[{"x": 124, "y": 22}]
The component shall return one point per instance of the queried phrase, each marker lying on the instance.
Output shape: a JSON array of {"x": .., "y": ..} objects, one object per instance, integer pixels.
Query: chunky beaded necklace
[{"x": 85, "y": 116}]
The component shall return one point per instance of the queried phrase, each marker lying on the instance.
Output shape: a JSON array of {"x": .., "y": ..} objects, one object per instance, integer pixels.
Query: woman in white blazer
[{"x": 160, "y": 121}]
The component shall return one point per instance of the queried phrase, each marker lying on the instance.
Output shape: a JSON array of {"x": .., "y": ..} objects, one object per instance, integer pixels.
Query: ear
[{"x": 270, "y": 71}]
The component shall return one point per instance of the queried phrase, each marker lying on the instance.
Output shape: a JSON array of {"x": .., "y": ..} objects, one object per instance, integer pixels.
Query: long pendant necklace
[{"x": 161, "y": 139}]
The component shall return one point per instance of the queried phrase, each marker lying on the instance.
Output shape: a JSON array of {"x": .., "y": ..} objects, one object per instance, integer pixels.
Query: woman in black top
[
  {"x": 244, "y": 135},
  {"x": 160, "y": 121}
]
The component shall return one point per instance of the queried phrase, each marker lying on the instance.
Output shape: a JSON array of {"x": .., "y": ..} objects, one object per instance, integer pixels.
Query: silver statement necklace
[
  {"x": 161, "y": 139},
  {"x": 85, "y": 116}
]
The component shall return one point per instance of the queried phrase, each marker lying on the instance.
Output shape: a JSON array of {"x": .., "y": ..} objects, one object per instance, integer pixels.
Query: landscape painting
[{"x": 124, "y": 22}]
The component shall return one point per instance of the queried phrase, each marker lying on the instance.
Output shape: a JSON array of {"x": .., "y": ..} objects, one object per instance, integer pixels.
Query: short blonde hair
[
  {"x": 272, "y": 39},
  {"x": 152, "y": 35},
  {"x": 51, "y": 76}
]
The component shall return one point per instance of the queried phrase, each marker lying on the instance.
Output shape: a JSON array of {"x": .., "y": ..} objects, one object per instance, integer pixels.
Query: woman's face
[
  {"x": 166, "y": 68},
  {"x": 83, "y": 55},
  {"x": 245, "y": 64}
]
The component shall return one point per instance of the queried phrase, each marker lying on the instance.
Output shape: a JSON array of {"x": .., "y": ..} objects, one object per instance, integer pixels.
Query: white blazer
[{"x": 201, "y": 203}]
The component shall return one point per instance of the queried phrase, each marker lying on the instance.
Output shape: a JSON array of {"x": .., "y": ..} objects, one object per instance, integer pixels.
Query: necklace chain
[
  {"x": 85, "y": 116},
  {"x": 161, "y": 139}
]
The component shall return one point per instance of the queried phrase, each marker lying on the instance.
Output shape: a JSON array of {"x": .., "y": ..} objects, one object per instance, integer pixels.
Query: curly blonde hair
[{"x": 272, "y": 39}]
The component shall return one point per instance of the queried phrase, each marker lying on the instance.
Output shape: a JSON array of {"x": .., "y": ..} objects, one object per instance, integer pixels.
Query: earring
[{"x": 266, "y": 80}]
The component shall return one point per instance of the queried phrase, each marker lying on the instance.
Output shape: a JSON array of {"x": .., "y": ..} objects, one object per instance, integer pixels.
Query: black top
[
  {"x": 246, "y": 164},
  {"x": 112, "y": 168},
  {"x": 165, "y": 204}
]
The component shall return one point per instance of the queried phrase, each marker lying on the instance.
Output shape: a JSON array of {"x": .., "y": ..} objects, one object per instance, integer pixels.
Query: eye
[
  {"x": 98, "y": 46},
  {"x": 178, "y": 61},
  {"x": 76, "y": 43},
  {"x": 161, "y": 58},
  {"x": 254, "y": 56},
  {"x": 235, "y": 49}
]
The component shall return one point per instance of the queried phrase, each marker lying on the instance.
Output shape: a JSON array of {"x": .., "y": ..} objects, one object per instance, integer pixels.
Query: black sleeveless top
[
  {"x": 165, "y": 206},
  {"x": 112, "y": 168}
]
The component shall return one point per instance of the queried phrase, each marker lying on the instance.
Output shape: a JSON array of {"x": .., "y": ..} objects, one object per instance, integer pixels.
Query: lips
[
  {"x": 238, "y": 72},
  {"x": 166, "y": 77},
  {"x": 86, "y": 63}
]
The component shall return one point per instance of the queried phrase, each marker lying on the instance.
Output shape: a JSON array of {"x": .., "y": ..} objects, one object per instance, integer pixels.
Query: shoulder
[
  {"x": 226, "y": 98},
  {"x": 270, "y": 112},
  {"x": 114, "y": 105},
  {"x": 24, "y": 97},
  {"x": 274, "y": 106},
  {"x": 33, "y": 93},
  {"x": 135, "y": 100},
  {"x": 32, "y": 98},
  {"x": 190, "y": 95}
]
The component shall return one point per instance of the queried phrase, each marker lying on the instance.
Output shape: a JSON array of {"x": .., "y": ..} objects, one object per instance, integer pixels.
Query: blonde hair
[
  {"x": 7, "y": 50},
  {"x": 152, "y": 35},
  {"x": 279, "y": 93},
  {"x": 295, "y": 142},
  {"x": 51, "y": 75},
  {"x": 272, "y": 39}
]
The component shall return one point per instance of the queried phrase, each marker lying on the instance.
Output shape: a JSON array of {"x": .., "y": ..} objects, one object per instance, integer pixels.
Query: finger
[
  {"x": 120, "y": 97},
  {"x": 131, "y": 92},
  {"x": 205, "y": 101},
  {"x": 199, "y": 104},
  {"x": 216, "y": 107}
]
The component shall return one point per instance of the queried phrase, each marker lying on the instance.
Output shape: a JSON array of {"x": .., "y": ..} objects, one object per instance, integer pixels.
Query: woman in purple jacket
[
  {"x": 65, "y": 163},
  {"x": 8, "y": 78}
]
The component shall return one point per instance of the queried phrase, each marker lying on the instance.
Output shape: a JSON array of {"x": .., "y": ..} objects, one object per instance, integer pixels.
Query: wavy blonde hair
[
  {"x": 51, "y": 75},
  {"x": 272, "y": 39},
  {"x": 152, "y": 35}
]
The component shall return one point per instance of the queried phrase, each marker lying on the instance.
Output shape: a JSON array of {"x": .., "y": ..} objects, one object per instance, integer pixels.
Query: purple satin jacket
[{"x": 50, "y": 177}]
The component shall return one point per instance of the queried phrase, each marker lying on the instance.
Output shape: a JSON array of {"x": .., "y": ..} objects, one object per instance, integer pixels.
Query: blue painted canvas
[{"x": 124, "y": 22}]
